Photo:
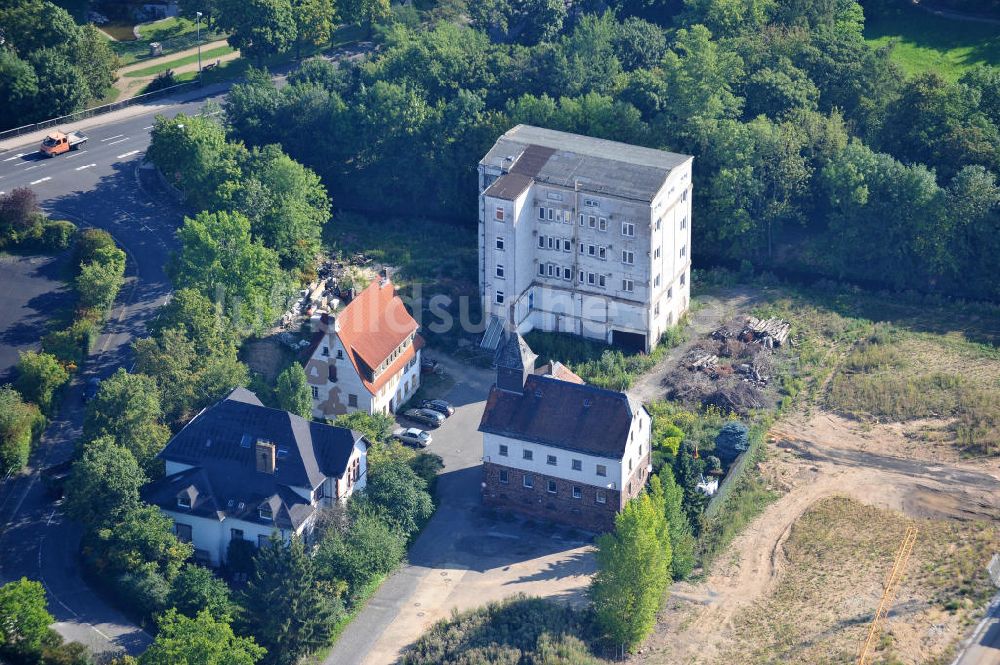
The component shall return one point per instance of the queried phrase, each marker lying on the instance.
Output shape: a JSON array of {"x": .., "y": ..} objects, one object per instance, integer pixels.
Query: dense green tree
[
  {"x": 939, "y": 124},
  {"x": 190, "y": 9},
  {"x": 585, "y": 60},
  {"x": 376, "y": 427},
  {"x": 39, "y": 375},
  {"x": 286, "y": 609},
  {"x": 985, "y": 80},
  {"x": 196, "y": 589},
  {"x": 18, "y": 88},
  {"x": 291, "y": 388},
  {"x": 98, "y": 63},
  {"x": 682, "y": 541},
  {"x": 727, "y": 17},
  {"x": 633, "y": 569},
  {"x": 285, "y": 203},
  {"x": 24, "y": 616},
  {"x": 188, "y": 378},
  {"x": 777, "y": 91},
  {"x": 192, "y": 153},
  {"x": 370, "y": 547},
  {"x": 62, "y": 88},
  {"x": 127, "y": 408},
  {"x": 700, "y": 77},
  {"x": 18, "y": 422},
  {"x": 104, "y": 483},
  {"x": 99, "y": 280},
  {"x": 33, "y": 25},
  {"x": 639, "y": 44},
  {"x": 363, "y": 12},
  {"x": 522, "y": 21},
  {"x": 972, "y": 202},
  {"x": 141, "y": 538},
  {"x": 688, "y": 471},
  {"x": 259, "y": 28},
  {"x": 314, "y": 20},
  {"x": 201, "y": 640},
  {"x": 202, "y": 321},
  {"x": 220, "y": 259},
  {"x": 398, "y": 495}
]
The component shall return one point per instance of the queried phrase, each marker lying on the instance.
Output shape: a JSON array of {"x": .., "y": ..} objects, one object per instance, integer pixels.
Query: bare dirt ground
[{"x": 815, "y": 457}]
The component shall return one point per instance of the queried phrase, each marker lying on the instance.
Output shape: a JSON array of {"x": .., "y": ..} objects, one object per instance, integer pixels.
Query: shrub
[
  {"x": 18, "y": 210},
  {"x": 370, "y": 547},
  {"x": 18, "y": 423},
  {"x": 144, "y": 589},
  {"x": 733, "y": 439},
  {"x": 89, "y": 243},
  {"x": 163, "y": 80},
  {"x": 58, "y": 234},
  {"x": 100, "y": 279},
  {"x": 39, "y": 375},
  {"x": 72, "y": 344}
]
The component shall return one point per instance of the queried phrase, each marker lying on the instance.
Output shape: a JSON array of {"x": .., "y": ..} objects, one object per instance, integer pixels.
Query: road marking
[
  {"x": 34, "y": 167},
  {"x": 17, "y": 156},
  {"x": 87, "y": 166},
  {"x": 148, "y": 127},
  {"x": 116, "y": 136},
  {"x": 118, "y": 141},
  {"x": 35, "y": 182},
  {"x": 128, "y": 154},
  {"x": 76, "y": 154}
]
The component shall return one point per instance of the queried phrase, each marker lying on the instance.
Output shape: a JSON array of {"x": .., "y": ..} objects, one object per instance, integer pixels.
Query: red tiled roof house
[{"x": 366, "y": 357}]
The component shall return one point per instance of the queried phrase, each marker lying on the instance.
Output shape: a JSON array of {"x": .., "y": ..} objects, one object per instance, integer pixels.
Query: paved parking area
[
  {"x": 32, "y": 289},
  {"x": 467, "y": 555}
]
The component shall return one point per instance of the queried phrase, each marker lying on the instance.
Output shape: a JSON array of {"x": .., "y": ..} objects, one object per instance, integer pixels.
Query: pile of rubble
[{"x": 733, "y": 368}]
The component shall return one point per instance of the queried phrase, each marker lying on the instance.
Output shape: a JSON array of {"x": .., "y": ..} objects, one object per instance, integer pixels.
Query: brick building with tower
[{"x": 558, "y": 449}]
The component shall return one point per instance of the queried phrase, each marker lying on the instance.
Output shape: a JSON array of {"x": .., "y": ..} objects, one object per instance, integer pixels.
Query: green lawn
[
  {"x": 206, "y": 57},
  {"x": 173, "y": 34},
  {"x": 925, "y": 42}
]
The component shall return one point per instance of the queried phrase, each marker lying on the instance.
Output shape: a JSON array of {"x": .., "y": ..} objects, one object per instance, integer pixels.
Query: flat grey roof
[{"x": 592, "y": 165}]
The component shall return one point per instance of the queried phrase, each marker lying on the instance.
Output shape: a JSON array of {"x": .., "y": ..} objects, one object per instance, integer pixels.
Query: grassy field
[
  {"x": 924, "y": 42},
  {"x": 173, "y": 34},
  {"x": 206, "y": 57},
  {"x": 835, "y": 560}
]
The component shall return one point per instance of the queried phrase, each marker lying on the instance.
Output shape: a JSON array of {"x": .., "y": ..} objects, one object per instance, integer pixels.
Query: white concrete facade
[{"x": 578, "y": 260}]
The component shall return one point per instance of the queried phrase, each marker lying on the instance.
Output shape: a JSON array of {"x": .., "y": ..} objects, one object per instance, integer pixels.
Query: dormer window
[
  {"x": 265, "y": 513},
  {"x": 184, "y": 501}
]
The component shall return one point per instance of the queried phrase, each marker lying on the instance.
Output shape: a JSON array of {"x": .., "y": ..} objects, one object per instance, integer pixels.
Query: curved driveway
[{"x": 100, "y": 186}]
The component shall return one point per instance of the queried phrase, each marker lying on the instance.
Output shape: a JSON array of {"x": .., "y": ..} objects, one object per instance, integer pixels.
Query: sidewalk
[{"x": 32, "y": 139}]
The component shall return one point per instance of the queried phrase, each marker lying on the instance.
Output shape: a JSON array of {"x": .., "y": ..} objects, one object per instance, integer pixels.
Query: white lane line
[
  {"x": 128, "y": 154},
  {"x": 17, "y": 156},
  {"x": 118, "y": 141},
  {"x": 76, "y": 154},
  {"x": 34, "y": 167},
  {"x": 35, "y": 182},
  {"x": 148, "y": 127},
  {"x": 116, "y": 136},
  {"x": 86, "y": 166}
]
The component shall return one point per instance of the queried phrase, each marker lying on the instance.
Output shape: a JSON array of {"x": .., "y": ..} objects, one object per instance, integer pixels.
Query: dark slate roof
[
  {"x": 569, "y": 160},
  {"x": 514, "y": 353},
  {"x": 509, "y": 186},
  {"x": 219, "y": 444},
  {"x": 562, "y": 414}
]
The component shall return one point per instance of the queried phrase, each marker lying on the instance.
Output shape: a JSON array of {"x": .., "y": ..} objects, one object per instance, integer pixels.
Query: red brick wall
[{"x": 538, "y": 502}]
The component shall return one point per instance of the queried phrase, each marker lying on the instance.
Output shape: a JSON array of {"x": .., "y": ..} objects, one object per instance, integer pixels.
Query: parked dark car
[
  {"x": 428, "y": 366},
  {"x": 425, "y": 417},
  {"x": 91, "y": 388},
  {"x": 54, "y": 479},
  {"x": 439, "y": 405}
]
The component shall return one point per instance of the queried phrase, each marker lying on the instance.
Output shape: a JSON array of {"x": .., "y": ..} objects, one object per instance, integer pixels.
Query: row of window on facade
[
  {"x": 587, "y": 249},
  {"x": 528, "y": 481}
]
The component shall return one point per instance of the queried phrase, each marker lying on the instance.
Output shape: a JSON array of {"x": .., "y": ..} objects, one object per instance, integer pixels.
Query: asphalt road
[
  {"x": 983, "y": 648},
  {"x": 100, "y": 186}
]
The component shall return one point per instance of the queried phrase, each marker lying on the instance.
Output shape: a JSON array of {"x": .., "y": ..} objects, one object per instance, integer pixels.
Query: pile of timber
[
  {"x": 702, "y": 360},
  {"x": 769, "y": 332}
]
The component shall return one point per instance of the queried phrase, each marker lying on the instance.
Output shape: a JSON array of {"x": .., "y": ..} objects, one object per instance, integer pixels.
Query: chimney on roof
[{"x": 265, "y": 455}]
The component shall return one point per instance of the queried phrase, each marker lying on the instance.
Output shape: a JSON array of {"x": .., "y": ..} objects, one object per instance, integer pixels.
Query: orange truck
[{"x": 57, "y": 143}]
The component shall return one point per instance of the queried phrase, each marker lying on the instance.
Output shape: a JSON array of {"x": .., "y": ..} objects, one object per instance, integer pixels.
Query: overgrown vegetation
[
  {"x": 596, "y": 362},
  {"x": 517, "y": 630},
  {"x": 26, "y": 636}
]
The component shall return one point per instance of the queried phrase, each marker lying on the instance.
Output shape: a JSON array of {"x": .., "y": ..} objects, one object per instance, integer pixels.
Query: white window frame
[
  {"x": 628, "y": 257},
  {"x": 601, "y": 470},
  {"x": 500, "y": 271},
  {"x": 628, "y": 229},
  {"x": 498, "y": 213},
  {"x": 528, "y": 481},
  {"x": 498, "y": 297},
  {"x": 501, "y": 245},
  {"x": 628, "y": 285},
  {"x": 602, "y": 224},
  {"x": 601, "y": 497}
]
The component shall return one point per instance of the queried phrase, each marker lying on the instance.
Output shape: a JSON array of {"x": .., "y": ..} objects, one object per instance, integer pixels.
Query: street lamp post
[{"x": 198, "y": 17}]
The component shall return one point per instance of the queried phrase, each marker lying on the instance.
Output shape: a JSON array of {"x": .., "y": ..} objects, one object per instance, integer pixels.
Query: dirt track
[{"x": 814, "y": 457}]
